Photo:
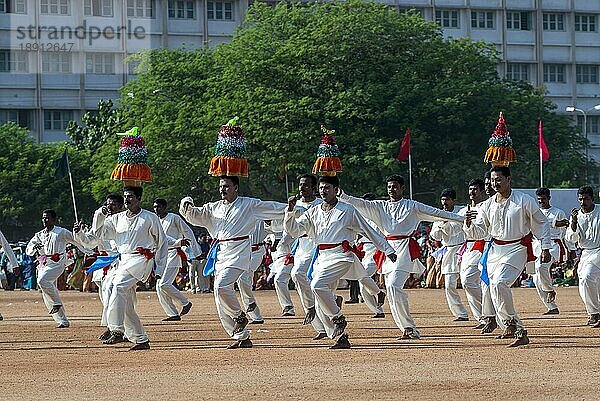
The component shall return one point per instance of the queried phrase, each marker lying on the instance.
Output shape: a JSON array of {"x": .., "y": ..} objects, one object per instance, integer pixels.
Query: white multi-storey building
[{"x": 58, "y": 58}]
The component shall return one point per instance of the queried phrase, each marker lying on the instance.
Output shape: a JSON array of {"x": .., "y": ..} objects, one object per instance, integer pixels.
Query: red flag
[
  {"x": 405, "y": 147},
  {"x": 542, "y": 145}
]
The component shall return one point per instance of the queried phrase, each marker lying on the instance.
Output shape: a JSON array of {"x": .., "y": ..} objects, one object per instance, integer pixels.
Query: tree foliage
[
  {"x": 28, "y": 186},
  {"x": 358, "y": 67}
]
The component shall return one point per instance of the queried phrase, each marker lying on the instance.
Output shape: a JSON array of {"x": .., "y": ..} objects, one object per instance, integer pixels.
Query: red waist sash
[
  {"x": 563, "y": 251},
  {"x": 346, "y": 247},
  {"x": 526, "y": 241},
  {"x": 478, "y": 245},
  {"x": 413, "y": 249},
  {"x": 181, "y": 254},
  {"x": 147, "y": 253}
]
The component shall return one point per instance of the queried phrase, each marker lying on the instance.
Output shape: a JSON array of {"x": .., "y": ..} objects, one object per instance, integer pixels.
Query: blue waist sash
[{"x": 102, "y": 262}]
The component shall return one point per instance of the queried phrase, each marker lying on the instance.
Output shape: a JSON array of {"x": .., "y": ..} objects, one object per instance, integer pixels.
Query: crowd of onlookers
[
  {"x": 22, "y": 277},
  {"x": 191, "y": 278}
]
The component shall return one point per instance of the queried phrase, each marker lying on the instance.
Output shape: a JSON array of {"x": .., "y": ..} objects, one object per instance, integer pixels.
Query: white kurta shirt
[
  {"x": 259, "y": 233},
  {"x": 587, "y": 236},
  {"x": 341, "y": 223},
  {"x": 5, "y": 246},
  {"x": 89, "y": 240},
  {"x": 553, "y": 214},
  {"x": 54, "y": 242},
  {"x": 470, "y": 257},
  {"x": 306, "y": 246},
  {"x": 510, "y": 220},
  {"x": 176, "y": 229},
  {"x": 452, "y": 236},
  {"x": 143, "y": 230},
  {"x": 232, "y": 220},
  {"x": 399, "y": 218}
]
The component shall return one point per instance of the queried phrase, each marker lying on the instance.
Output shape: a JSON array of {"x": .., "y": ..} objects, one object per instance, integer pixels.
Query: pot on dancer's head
[{"x": 132, "y": 168}]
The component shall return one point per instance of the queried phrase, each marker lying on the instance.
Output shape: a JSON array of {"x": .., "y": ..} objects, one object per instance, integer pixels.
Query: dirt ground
[{"x": 188, "y": 359}]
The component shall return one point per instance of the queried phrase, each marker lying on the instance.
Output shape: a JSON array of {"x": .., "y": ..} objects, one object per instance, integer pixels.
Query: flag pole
[
  {"x": 410, "y": 186},
  {"x": 72, "y": 188},
  {"x": 541, "y": 169}
]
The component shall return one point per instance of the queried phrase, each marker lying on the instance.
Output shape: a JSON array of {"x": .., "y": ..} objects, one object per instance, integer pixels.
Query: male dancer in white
[
  {"x": 305, "y": 247},
  {"x": 50, "y": 245},
  {"x": 102, "y": 277},
  {"x": 231, "y": 221},
  {"x": 558, "y": 225},
  {"x": 246, "y": 279},
  {"x": 398, "y": 218},
  {"x": 176, "y": 228},
  {"x": 470, "y": 275},
  {"x": 333, "y": 225},
  {"x": 584, "y": 229},
  {"x": 452, "y": 237},
  {"x": 487, "y": 305},
  {"x": 141, "y": 241},
  {"x": 12, "y": 258},
  {"x": 508, "y": 217}
]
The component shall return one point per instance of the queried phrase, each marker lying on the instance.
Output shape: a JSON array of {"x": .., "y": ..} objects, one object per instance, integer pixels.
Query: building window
[
  {"x": 12, "y": 61},
  {"x": 219, "y": 10},
  {"x": 100, "y": 63},
  {"x": 518, "y": 20},
  {"x": 13, "y": 7},
  {"x": 56, "y": 62},
  {"x": 586, "y": 74},
  {"x": 593, "y": 124},
  {"x": 181, "y": 9},
  {"x": 553, "y": 22},
  {"x": 20, "y": 117},
  {"x": 140, "y": 8},
  {"x": 56, "y": 7},
  {"x": 517, "y": 72},
  {"x": 98, "y": 8},
  {"x": 554, "y": 73},
  {"x": 57, "y": 120},
  {"x": 447, "y": 18},
  {"x": 482, "y": 19},
  {"x": 585, "y": 23}
]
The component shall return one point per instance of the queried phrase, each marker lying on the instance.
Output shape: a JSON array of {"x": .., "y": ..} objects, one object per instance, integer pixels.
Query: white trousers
[
  {"x": 282, "y": 289},
  {"x": 228, "y": 306},
  {"x": 307, "y": 298},
  {"x": 106, "y": 290},
  {"x": 589, "y": 287},
  {"x": 197, "y": 279},
  {"x": 167, "y": 292},
  {"x": 122, "y": 316},
  {"x": 47, "y": 276},
  {"x": 323, "y": 286},
  {"x": 543, "y": 283},
  {"x": 487, "y": 305},
  {"x": 471, "y": 282},
  {"x": 452, "y": 296},
  {"x": 244, "y": 283},
  {"x": 369, "y": 290},
  {"x": 398, "y": 299},
  {"x": 502, "y": 278}
]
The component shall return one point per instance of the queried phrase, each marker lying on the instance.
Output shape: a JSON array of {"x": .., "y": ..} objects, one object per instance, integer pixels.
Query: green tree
[{"x": 28, "y": 186}]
